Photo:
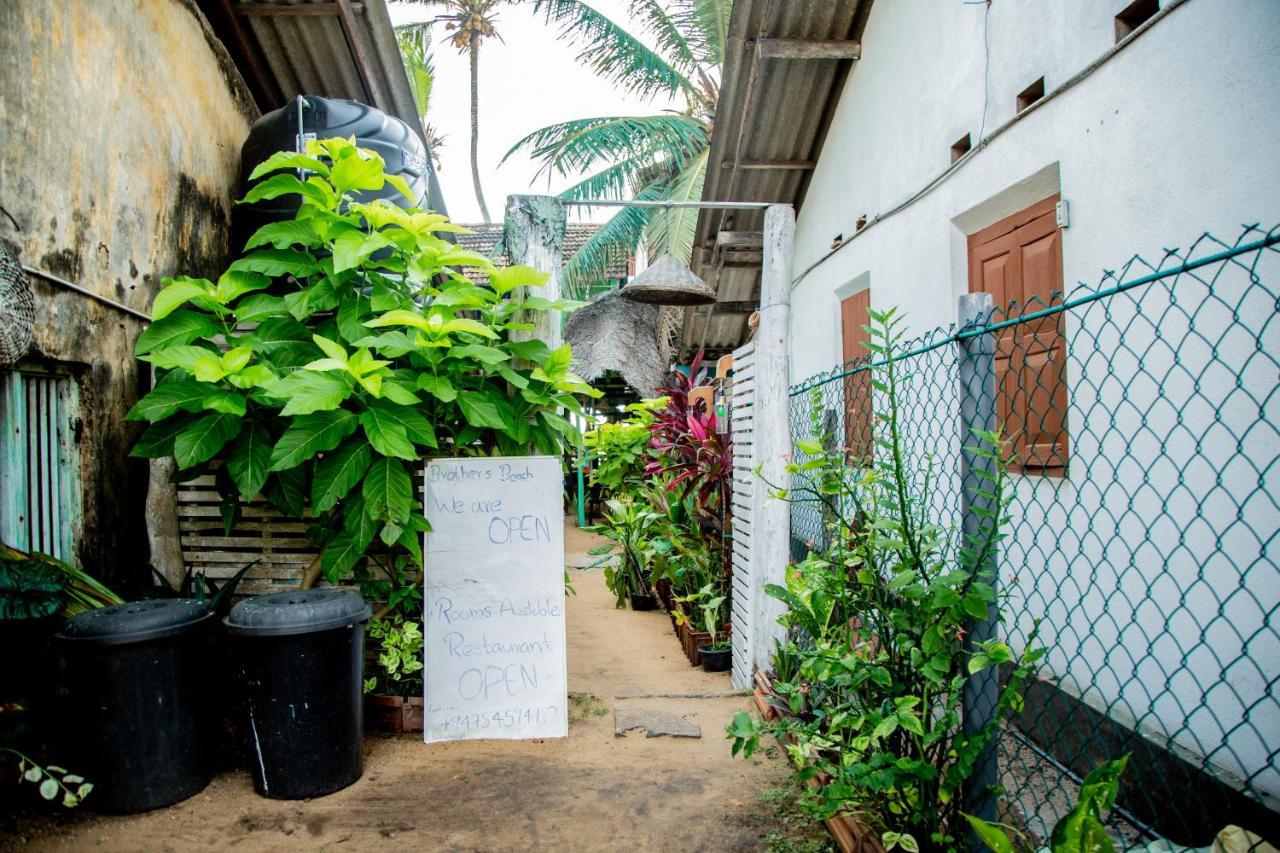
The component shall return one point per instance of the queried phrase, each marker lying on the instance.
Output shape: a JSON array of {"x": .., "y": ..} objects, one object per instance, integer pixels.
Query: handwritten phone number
[{"x": 507, "y": 718}]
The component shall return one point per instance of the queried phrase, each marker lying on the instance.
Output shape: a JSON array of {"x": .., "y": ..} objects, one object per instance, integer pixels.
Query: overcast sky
[{"x": 528, "y": 80}]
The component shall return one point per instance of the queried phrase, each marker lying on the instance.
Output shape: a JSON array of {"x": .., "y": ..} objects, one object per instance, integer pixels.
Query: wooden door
[{"x": 855, "y": 316}]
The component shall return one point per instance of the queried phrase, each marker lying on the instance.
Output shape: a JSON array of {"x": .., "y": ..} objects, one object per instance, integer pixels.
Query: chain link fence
[{"x": 1142, "y": 426}]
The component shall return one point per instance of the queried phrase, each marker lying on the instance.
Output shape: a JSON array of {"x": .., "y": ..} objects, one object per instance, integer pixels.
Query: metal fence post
[{"x": 977, "y": 381}]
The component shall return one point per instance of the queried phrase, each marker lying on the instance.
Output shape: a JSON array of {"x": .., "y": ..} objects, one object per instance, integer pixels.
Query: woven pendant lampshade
[
  {"x": 668, "y": 282},
  {"x": 17, "y": 309}
]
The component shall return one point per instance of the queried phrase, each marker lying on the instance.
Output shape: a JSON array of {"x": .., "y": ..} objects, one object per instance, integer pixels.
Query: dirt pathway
[{"x": 590, "y": 791}]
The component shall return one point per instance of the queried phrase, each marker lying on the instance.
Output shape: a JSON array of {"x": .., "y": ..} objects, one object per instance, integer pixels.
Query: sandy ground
[{"x": 590, "y": 791}]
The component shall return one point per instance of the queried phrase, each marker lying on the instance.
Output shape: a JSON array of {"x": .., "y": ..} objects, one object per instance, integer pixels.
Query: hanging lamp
[{"x": 668, "y": 282}]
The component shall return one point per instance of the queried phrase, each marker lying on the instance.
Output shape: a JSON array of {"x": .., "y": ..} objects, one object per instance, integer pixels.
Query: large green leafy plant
[
  {"x": 619, "y": 450},
  {"x": 877, "y": 657},
  {"x": 342, "y": 349}
]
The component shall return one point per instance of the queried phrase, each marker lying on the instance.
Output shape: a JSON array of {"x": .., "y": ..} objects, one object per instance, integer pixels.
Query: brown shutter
[
  {"x": 855, "y": 315},
  {"x": 1018, "y": 261},
  {"x": 1042, "y": 374}
]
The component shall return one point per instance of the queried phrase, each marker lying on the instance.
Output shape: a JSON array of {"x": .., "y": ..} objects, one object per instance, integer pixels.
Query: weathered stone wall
[{"x": 120, "y": 129}]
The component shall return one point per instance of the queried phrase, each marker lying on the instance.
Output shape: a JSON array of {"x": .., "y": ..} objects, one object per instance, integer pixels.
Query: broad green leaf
[
  {"x": 416, "y": 425},
  {"x": 360, "y": 171},
  {"x": 276, "y": 186},
  {"x": 990, "y": 834},
  {"x": 557, "y": 365},
  {"x": 260, "y": 306},
  {"x": 178, "y": 292},
  {"x": 286, "y": 490},
  {"x": 248, "y": 461},
  {"x": 233, "y": 284},
  {"x": 387, "y": 434},
  {"x": 400, "y": 317},
  {"x": 399, "y": 392},
  {"x": 176, "y": 329},
  {"x": 337, "y": 473},
  {"x": 388, "y": 491},
  {"x": 282, "y": 235},
  {"x": 464, "y": 324},
  {"x": 184, "y": 357},
  {"x": 534, "y": 351},
  {"x": 330, "y": 348},
  {"x": 353, "y": 248},
  {"x": 478, "y": 352},
  {"x": 168, "y": 397},
  {"x": 288, "y": 160},
  {"x": 235, "y": 359},
  {"x": 225, "y": 401},
  {"x": 311, "y": 434},
  {"x": 480, "y": 410},
  {"x": 438, "y": 386},
  {"x": 204, "y": 437},
  {"x": 508, "y": 278},
  {"x": 209, "y": 368},
  {"x": 402, "y": 186},
  {"x": 308, "y": 392},
  {"x": 341, "y": 555},
  {"x": 277, "y": 262},
  {"x": 276, "y": 332},
  {"x": 157, "y": 440}
]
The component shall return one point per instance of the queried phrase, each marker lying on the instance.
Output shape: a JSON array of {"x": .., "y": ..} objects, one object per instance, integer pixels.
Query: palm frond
[
  {"x": 614, "y": 182},
  {"x": 666, "y": 30},
  {"x": 612, "y": 52},
  {"x": 414, "y": 41},
  {"x": 707, "y": 25},
  {"x": 671, "y": 230},
  {"x": 615, "y": 240},
  {"x": 581, "y": 144}
]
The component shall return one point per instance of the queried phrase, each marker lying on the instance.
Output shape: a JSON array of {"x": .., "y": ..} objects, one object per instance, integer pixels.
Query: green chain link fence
[{"x": 1143, "y": 418}]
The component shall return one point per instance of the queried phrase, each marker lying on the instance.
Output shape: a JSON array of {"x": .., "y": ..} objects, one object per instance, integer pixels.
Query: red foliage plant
[{"x": 690, "y": 453}]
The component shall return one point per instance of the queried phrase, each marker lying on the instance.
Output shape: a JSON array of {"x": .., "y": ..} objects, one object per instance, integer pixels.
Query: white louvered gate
[{"x": 741, "y": 398}]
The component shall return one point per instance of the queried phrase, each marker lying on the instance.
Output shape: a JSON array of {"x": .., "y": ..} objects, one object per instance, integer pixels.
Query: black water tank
[
  {"x": 140, "y": 677},
  {"x": 301, "y": 656},
  {"x": 397, "y": 143}
]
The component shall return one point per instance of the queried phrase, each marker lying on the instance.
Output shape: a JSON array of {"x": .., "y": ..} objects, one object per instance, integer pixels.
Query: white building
[{"x": 1021, "y": 147}]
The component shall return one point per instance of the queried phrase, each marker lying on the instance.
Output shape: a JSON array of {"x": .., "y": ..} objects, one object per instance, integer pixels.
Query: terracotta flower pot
[{"x": 392, "y": 713}]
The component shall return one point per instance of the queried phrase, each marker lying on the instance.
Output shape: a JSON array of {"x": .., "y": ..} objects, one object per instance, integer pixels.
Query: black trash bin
[
  {"x": 301, "y": 660},
  {"x": 139, "y": 719}
]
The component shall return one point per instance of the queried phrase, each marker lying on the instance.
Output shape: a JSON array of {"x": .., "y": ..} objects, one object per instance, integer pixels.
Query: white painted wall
[{"x": 1174, "y": 135}]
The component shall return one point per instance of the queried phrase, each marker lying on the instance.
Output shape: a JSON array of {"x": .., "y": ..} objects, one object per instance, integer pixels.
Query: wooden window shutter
[
  {"x": 855, "y": 315},
  {"x": 1019, "y": 262}
]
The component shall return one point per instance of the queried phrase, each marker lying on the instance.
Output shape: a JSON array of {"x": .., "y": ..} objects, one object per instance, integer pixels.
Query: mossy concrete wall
[{"x": 121, "y": 123}]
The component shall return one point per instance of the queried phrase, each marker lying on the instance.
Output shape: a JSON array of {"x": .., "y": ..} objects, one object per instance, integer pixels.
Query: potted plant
[
  {"x": 716, "y": 655},
  {"x": 630, "y": 525}
]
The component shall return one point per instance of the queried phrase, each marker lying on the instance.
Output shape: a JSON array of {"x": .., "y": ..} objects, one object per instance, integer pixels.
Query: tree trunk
[{"x": 475, "y": 128}]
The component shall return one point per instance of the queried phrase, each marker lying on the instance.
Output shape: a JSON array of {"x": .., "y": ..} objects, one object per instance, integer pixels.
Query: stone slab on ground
[{"x": 655, "y": 723}]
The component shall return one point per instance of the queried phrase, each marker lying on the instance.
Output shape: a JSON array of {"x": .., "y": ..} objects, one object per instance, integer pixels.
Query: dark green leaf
[
  {"x": 338, "y": 472},
  {"x": 176, "y": 329},
  {"x": 287, "y": 491},
  {"x": 249, "y": 459},
  {"x": 308, "y": 391},
  {"x": 157, "y": 440},
  {"x": 387, "y": 434},
  {"x": 204, "y": 437},
  {"x": 170, "y": 396},
  {"x": 388, "y": 491},
  {"x": 311, "y": 434},
  {"x": 438, "y": 386},
  {"x": 277, "y": 262},
  {"x": 480, "y": 410}
]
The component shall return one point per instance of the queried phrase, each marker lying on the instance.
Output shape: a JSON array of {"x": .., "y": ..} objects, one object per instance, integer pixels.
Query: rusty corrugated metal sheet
[{"x": 769, "y": 110}]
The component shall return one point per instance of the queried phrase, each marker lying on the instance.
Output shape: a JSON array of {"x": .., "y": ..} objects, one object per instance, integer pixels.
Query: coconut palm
[
  {"x": 647, "y": 157},
  {"x": 470, "y": 22},
  {"x": 414, "y": 41}
]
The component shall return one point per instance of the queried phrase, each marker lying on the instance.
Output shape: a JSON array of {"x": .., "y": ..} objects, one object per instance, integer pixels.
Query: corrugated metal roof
[
  {"x": 332, "y": 48},
  {"x": 486, "y": 238},
  {"x": 771, "y": 110}
]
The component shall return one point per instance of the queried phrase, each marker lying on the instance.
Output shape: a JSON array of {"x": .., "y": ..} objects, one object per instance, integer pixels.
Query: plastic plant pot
[
  {"x": 643, "y": 601},
  {"x": 301, "y": 657},
  {"x": 715, "y": 660},
  {"x": 140, "y": 714}
]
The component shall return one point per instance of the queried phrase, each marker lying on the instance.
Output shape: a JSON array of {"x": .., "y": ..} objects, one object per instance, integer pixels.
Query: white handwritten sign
[{"x": 494, "y": 635}]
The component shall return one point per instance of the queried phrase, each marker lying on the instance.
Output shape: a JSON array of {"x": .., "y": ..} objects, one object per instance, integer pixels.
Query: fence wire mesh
[{"x": 1141, "y": 416}]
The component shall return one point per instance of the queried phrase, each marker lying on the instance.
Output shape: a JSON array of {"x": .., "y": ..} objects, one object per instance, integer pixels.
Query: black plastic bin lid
[
  {"x": 136, "y": 622},
  {"x": 307, "y": 611}
]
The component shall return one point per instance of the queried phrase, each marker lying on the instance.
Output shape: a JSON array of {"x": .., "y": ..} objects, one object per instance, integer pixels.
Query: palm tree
[
  {"x": 471, "y": 22},
  {"x": 414, "y": 41},
  {"x": 645, "y": 157}
]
